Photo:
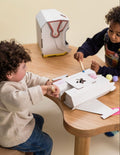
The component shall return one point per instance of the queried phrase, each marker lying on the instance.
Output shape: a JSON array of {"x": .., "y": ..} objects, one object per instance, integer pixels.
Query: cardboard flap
[{"x": 57, "y": 27}]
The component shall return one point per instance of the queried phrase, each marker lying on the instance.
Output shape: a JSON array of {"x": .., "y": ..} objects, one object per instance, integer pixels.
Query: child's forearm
[{"x": 108, "y": 70}]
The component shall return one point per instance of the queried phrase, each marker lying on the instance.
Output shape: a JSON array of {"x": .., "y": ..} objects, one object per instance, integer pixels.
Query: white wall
[{"x": 17, "y": 18}]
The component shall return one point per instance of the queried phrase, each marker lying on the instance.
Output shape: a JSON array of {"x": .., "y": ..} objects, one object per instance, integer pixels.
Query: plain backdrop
[{"x": 17, "y": 18}]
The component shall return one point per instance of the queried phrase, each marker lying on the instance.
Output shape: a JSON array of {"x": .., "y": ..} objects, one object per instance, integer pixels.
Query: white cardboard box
[
  {"x": 83, "y": 95},
  {"x": 51, "y": 32}
]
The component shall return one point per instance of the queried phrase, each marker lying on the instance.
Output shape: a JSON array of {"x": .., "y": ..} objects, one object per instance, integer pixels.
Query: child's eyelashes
[{"x": 117, "y": 34}]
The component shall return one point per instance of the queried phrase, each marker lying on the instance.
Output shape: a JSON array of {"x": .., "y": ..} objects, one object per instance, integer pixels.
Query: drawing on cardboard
[{"x": 81, "y": 80}]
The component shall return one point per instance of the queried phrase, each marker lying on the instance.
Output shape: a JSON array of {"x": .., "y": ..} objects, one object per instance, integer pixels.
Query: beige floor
[{"x": 64, "y": 141}]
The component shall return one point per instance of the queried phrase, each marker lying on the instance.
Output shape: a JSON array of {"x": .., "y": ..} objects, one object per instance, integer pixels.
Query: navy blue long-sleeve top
[{"x": 112, "y": 52}]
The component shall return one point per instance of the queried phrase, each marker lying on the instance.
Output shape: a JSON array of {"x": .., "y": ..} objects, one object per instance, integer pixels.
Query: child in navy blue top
[{"x": 110, "y": 38}]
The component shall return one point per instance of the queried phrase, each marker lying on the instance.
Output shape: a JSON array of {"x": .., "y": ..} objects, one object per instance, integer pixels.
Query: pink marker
[{"x": 93, "y": 75}]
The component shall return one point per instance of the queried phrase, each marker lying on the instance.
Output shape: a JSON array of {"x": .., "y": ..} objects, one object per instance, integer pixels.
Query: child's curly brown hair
[
  {"x": 113, "y": 15},
  {"x": 11, "y": 55}
]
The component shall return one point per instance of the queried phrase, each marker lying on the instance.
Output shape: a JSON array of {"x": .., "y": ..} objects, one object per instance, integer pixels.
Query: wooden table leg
[{"x": 82, "y": 145}]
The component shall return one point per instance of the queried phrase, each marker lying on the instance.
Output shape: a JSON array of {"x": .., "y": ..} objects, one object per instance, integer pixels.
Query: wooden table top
[{"x": 77, "y": 122}]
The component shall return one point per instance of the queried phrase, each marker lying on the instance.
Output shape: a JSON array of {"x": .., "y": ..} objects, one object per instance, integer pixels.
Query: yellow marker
[
  {"x": 53, "y": 89},
  {"x": 109, "y": 77}
]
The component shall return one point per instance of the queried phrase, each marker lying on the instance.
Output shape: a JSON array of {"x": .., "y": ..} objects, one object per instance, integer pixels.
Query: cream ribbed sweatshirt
[{"x": 16, "y": 121}]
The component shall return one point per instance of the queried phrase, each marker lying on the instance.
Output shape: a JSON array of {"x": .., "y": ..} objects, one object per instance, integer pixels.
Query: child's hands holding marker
[
  {"x": 79, "y": 57},
  {"x": 51, "y": 90}
]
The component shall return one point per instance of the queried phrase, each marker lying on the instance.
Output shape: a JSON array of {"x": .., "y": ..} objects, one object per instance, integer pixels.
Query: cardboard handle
[{"x": 57, "y": 27}]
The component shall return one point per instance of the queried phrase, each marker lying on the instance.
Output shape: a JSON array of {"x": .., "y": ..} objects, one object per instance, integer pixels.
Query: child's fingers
[
  {"x": 53, "y": 90},
  {"x": 94, "y": 62},
  {"x": 76, "y": 56},
  {"x": 95, "y": 66}
]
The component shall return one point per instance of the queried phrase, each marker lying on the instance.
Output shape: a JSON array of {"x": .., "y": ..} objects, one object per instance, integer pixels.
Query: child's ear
[{"x": 9, "y": 76}]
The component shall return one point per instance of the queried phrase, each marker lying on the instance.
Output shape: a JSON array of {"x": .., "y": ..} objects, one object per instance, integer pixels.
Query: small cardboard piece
[{"x": 51, "y": 32}]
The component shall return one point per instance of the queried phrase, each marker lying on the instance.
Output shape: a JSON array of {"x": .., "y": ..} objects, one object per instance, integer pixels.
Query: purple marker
[{"x": 115, "y": 78}]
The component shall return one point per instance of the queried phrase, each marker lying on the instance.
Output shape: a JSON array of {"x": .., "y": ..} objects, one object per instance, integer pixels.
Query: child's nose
[{"x": 113, "y": 36}]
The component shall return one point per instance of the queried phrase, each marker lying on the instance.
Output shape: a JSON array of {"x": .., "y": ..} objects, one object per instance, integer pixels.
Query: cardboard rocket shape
[{"x": 51, "y": 32}]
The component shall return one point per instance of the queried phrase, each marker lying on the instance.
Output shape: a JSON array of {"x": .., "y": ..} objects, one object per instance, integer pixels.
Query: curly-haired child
[
  {"x": 110, "y": 38},
  {"x": 19, "y": 128}
]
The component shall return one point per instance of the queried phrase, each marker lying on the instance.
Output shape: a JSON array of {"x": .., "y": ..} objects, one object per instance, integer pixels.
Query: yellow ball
[{"x": 109, "y": 77}]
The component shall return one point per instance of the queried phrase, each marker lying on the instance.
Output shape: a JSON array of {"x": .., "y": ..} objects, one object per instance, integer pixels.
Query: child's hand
[
  {"x": 79, "y": 56},
  {"x": 53, "y": 90},
  {"x": 95, "y": 66},
  {"x": 49, "y": 82}
]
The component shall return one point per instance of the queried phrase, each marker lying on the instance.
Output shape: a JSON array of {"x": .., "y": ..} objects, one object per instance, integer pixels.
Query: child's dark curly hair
[
  {"x": 11, "y": 55},
  {"x": 113, "y": 15}
]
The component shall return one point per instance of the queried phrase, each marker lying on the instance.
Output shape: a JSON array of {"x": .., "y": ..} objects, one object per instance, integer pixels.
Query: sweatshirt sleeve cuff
[{"x": 36, "y": 94}]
